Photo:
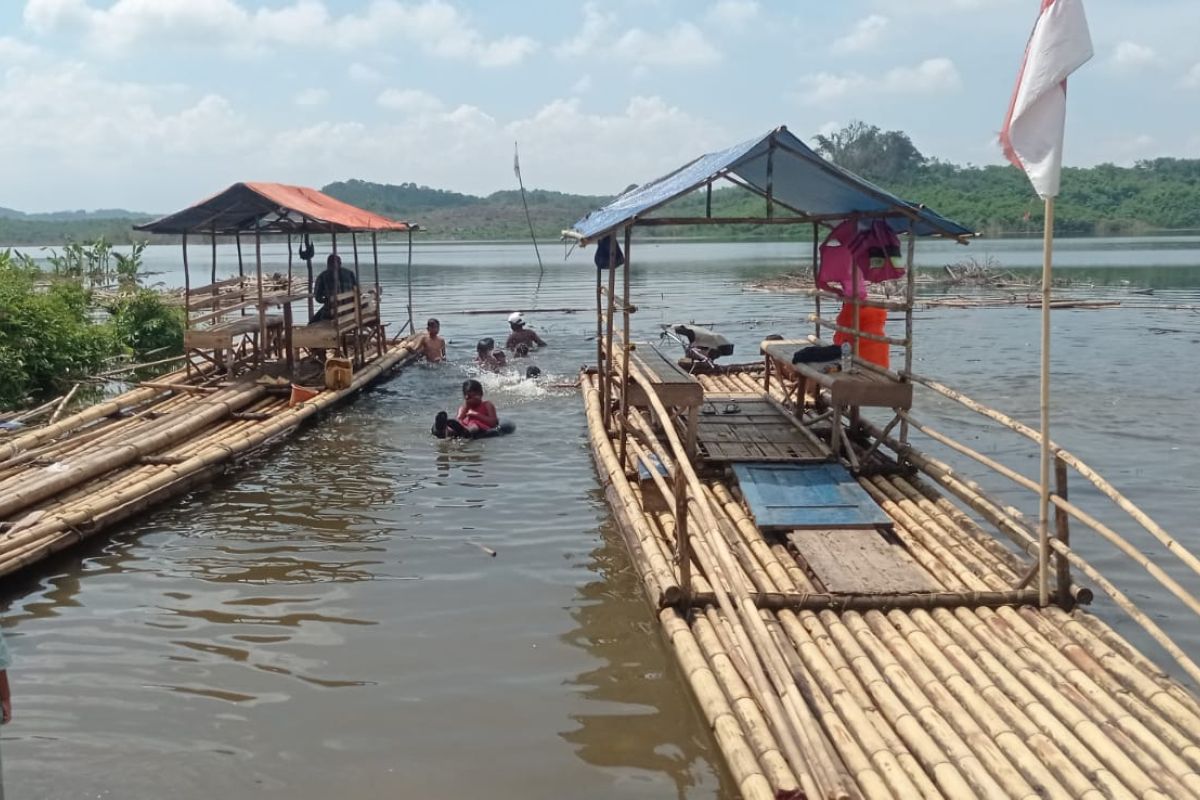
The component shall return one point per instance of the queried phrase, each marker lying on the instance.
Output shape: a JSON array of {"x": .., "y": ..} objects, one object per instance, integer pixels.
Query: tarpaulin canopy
[
  {"x": 782, "y": 167},
  {"x": 272, "y": 208}
]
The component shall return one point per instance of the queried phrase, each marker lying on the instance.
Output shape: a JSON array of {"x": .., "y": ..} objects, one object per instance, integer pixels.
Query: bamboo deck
[
  {"x": 870, "y": 700},
  {"x": 67, "y": 481}
]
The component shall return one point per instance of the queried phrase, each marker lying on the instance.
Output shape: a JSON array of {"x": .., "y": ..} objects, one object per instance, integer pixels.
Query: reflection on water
[
  {"x": 641, "y": 722},
  {"x": 325, "y": 621}
]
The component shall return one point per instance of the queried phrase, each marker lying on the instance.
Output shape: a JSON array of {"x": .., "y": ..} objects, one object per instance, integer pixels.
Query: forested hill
[{"x": 1157, "y": 195}]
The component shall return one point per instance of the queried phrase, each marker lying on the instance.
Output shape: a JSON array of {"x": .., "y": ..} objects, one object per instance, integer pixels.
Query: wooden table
[
  {"x": 672, "y": 385},
  {"x": 860, "y": 387},
  {"x": 285, "y": 300}
]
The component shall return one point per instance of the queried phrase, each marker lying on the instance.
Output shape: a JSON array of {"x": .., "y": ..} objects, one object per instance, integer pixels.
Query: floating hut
[
  {"x": 253, "y": 373},
  {"x": 855, "y": 617}
]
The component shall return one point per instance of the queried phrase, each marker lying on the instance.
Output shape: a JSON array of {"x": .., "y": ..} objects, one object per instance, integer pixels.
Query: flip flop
[
  {"x": 731, "y": 408},
  {"x": 708, "y": 409}
]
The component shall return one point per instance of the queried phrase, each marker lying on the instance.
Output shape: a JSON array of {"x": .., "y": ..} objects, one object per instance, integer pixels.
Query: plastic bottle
[{"x": 847, "y": 357}]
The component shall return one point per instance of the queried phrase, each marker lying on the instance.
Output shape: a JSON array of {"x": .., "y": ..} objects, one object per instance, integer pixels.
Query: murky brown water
[{"x": 323, "y": 622}]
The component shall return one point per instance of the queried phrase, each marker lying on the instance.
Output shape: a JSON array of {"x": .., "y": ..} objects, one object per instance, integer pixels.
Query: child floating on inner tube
[{"x": 477, "y": 417}]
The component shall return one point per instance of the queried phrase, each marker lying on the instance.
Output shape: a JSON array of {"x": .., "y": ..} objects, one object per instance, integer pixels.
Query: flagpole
[{"x": 1044, "y": 500}]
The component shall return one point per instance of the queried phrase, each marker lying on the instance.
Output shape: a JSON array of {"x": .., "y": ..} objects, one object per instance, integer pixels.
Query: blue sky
[{"x": 153, "y": 104}]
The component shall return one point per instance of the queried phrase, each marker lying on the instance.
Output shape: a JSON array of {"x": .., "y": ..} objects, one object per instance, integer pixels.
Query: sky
[{"x": 151, "y": 105}]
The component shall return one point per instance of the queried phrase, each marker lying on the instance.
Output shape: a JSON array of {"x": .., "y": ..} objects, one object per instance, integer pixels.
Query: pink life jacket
[{"x": 873, "y": 250}]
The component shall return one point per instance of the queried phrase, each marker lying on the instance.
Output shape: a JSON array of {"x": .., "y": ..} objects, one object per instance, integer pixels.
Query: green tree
[{"x": 874, "y": 154}]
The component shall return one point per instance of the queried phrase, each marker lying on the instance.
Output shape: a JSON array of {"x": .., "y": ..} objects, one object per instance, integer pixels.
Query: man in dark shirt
[{"x": 324, "y": 289}]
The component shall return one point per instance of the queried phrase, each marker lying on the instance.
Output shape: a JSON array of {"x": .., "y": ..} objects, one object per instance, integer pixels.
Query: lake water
[{"x": 324, "y": 621}]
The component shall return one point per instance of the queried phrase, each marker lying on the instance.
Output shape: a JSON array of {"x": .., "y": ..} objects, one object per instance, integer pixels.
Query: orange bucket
[
  {"x": 870, "y": 320},
  {"x": 302, "y": 394}
]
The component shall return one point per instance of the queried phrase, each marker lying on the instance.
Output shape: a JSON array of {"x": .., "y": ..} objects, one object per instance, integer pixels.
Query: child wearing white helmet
[{"x": 521, "y": 339}]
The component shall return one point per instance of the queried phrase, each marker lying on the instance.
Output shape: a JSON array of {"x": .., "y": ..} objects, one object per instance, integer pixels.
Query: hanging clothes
[
  {"x": 602, "y": 257},
  {"x": 868, "y": 249}
]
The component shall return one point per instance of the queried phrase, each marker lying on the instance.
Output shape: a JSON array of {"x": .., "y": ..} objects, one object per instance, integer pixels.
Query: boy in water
[
  {"x": 476, "y": 415},
  {"x": 487, "y": 356},
  {"x": 432, "y": 345},
  {"x": 521, "y": 335}
]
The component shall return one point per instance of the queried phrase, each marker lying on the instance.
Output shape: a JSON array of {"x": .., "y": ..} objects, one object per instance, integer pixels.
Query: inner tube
[{"x": 503, "y": 429}]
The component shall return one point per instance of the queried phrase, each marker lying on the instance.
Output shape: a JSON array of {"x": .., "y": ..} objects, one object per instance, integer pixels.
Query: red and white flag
[{"x": 1032, "y": 136}]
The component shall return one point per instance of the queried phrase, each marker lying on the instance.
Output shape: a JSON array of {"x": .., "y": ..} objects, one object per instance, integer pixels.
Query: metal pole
[{"x": 1044, "y": 472}]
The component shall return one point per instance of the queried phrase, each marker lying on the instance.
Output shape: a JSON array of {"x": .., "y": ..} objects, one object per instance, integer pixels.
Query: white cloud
[
  {"x": 867, "y": 33},
  {"x": 1131, "y": 57},
  {"x": 732, "y": 14},
  {"x": 12, "y": 50},
  {"x": 1191, "y": 79},
  {"x": 363, "y": 73},
  {"x": 582, "y": 86},
  {"x": 433, "y": 26},
  {"x": 829, "y": 128},
  {"x": 683, "y": 45},
  {"x": 593, "y": 35},
  {"x": 933, "y": 75},
  {"x": 410, "y": 101},
  {"x": 311, "y": 97}
]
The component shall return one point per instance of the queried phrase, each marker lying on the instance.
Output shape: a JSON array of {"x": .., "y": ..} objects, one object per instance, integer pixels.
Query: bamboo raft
[
  {"x": 966, "y": 695},
  {"x": 67, "y": 481},
  {"x": 938, "y": 648}
]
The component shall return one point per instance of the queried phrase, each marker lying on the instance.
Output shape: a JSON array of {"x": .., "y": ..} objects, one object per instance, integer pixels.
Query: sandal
[{"x": 731, "y": 408}]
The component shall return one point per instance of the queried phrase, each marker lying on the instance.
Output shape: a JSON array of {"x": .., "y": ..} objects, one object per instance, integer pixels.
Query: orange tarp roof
[{"x": 272, "y": 208}]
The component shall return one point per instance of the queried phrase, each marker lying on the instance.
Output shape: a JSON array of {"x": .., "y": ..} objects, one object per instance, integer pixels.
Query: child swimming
[{"x": 476, "y": 416}]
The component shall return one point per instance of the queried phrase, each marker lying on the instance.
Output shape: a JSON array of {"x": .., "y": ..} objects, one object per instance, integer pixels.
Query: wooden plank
[
  {"x": 860, "y": 561},
  {"x": 758, "y": 430},
  {"x": 673, "y": 386},
  {"x": 804, "y": 496}
]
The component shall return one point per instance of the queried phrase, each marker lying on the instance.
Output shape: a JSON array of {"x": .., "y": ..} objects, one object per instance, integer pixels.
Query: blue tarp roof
[{"x": 800, "y": 180}]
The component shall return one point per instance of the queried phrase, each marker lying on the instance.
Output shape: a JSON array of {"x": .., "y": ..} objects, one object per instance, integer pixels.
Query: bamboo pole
[
  {"x": 625, "y": 343},
  {"x": 769, "y": 674},
  {"x": 910, "y": 292},
  {"x": 62, "y": 404},
  {"x": 1044, "y": 463},
  {"x": 609, "y": 364},
  {"x": 411, "y": 325},
  {"x": 816, "y": 252}
]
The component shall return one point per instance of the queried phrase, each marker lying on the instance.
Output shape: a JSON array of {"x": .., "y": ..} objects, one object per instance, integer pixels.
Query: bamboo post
[
  {"x": 411, "y": 328},
  {"x": 1044, "y": 471},
  {"x": 379, "y": 343},
  {"x": 610, "y": 310},
  {"x": 261, "y": 343},
  {"x": 910, "y": 287},
  {"x": 625, "y": 344},
  {"x": 1062, "y": 525},
  {"x": 289, "y": 278},
  {"x": 816, "y": 254},
  {"x": 358, "y": 343},
  {"x": 308, "y": 260},
  {"x": 237, "y": 237},
  {"x": 683, "y": 548}
]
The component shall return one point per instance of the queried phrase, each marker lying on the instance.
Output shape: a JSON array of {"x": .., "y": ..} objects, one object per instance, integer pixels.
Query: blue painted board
[{"x": 806, "y": 496}]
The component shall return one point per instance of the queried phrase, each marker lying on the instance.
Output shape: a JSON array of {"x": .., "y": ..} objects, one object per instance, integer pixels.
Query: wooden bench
[
  {"x": 227, "y": 339},
  {"x": 356, "y": 321},
  {"x": 861, "y": 387},
  {"x": 673, "y": 386}
]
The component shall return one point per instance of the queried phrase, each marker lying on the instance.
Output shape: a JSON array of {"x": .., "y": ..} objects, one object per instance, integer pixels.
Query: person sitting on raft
[
  {"x": 433, "y": 346},
  {"x": 476, "y": 416},
  {"x": 329, "y": 284},
  {"x": 487, "y": 356},
  {"x": 520, "y": 334}
]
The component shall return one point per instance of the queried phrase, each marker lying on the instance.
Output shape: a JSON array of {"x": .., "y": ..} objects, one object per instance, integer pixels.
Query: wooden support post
[
  {"x": 359, "y": 353},
  {"x": 1062, "y": 525},
  {"x": 289, "y": 278},
  {"x": 707, "y": 203},
  {"x": 187, "y": 294},
  {"x": 411, "y": 327},
  {"x": 610, "y": 364},
  {"x": 771, "y": 177},
  {"x": 816, "y": 253},
  {"x": 379, "y": 343},
  {"x": 261, "y": 341},
  {"x": 625, "y": 345},
  {"x": 683, "y": 546},
  {"x": 910, "y": 287},
  {"x": 308, "y": 260}
]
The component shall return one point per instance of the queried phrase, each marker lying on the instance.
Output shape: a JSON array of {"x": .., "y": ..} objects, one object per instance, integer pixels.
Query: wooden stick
[{"x": 62, "y": 404}]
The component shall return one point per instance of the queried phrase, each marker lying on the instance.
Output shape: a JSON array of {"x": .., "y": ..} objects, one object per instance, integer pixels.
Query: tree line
[{"x": 1159, "y": 194}]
